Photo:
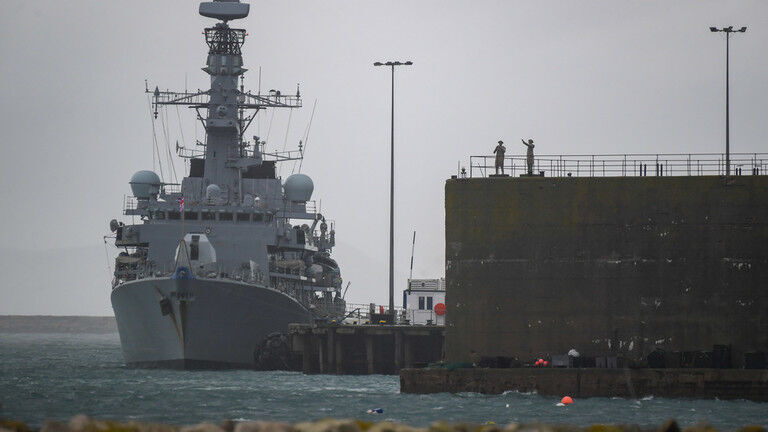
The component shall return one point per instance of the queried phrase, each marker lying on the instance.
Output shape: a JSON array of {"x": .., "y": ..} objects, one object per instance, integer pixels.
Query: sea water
[{"x": 56, "y": 376}]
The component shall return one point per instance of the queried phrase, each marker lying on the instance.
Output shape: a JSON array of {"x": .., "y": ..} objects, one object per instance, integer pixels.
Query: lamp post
[
  {"x": 392, "y": 65},
  {"x": 727, "y": 30}
]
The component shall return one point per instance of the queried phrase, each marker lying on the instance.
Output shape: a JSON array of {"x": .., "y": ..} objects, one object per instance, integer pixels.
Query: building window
[
  {"x": 429, "y": 303},
  {"x": 257, "y": 217},
  {"x": 421, "y": 302},
  {"x": 174, "y": 215},
  {"x": 158, "y": 214},
  {"x": 190, "y": 215},
  {"x": 209, "y": 216},
  {"x": 243, "y": 217},
  {"x": 225, "y": 216}
]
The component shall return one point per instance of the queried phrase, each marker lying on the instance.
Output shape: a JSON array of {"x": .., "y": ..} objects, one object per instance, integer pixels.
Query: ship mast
[{"x": 226, "y": 110}]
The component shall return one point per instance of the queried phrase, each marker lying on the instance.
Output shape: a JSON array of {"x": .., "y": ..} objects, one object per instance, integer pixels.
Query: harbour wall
[
  {"x": 580, "y": 383},
  {"x": 612, "y": 266}
]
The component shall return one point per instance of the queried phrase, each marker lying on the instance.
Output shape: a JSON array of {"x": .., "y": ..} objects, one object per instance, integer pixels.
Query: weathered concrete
[
  {"x": 609, "y": 266},
  {"x": 635, "y": 383},
  {"x": 365, "y": 349}
]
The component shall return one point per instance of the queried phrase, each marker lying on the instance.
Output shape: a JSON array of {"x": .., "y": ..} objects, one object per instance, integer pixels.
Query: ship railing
[
  {"x": 170, "y": 188},
  {"x": 297, "y": 208},
  {"x": 360, "y": 313},
  {"x": 188, "y": 153},
  {"x": 130, "y": 203},
  {"x": 622, "y": 165}
]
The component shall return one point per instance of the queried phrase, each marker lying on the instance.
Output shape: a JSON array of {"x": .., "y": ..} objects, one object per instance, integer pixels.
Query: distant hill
[{"x": 56, "y": 324}]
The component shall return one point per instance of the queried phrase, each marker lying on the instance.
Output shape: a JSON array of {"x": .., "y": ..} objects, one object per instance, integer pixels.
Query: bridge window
[
  {"x": 209, "y": 216},
  {"x": 243, "y": 217},
  {"x": 258, "y": 217},
  {"x": 174, "y": 215},
  {"x": 225, "y": 216},
  {"x": 190, "y": 215}
]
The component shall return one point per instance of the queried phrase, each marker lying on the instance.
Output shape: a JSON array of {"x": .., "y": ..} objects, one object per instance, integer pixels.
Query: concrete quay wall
[
  {"x": 632, "y": 383},
  {"x": 614, "y": 266}
]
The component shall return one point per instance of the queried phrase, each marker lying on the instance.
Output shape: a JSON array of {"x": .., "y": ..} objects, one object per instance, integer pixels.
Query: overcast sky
[{"x": 577, "y": 76}]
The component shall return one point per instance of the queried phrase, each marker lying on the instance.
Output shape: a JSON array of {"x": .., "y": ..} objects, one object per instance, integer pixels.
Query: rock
[
  {"x": 262, "y": 426},
  {"x": 700, "y": 428},
  {"x": 328, "y": 425},
  {"x": 202, "y": 427},
  {"x": 54, "y": 426},
  {"x": 605, "y": 428},
  {"x": 752, "y": 428},
  {"x": 393, "y": 427},
  {"x": 80, "y": 423},
  {"x": 670, "y": 426},
  {"x": 13, "y": 425}
]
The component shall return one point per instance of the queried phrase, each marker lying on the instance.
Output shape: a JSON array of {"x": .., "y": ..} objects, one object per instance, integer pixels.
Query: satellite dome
[
  {"x": 298, "y": 188},
  {"x": 145, "y": 184},
  {"x": 212, "y": 192}
]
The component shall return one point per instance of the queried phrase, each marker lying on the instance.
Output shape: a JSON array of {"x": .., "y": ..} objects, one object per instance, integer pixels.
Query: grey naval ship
[{"x": 217, "y": 265}]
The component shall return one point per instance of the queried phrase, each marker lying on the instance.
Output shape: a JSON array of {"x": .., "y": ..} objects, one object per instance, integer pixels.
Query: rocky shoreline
[{"x": 82, "y": 423}]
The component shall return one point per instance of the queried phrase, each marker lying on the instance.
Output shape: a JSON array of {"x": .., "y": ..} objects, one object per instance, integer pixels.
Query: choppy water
[{"x": 45, "y": 376}]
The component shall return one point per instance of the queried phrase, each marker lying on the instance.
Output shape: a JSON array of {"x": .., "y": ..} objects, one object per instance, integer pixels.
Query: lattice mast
[{"x": 225, "y": 110}]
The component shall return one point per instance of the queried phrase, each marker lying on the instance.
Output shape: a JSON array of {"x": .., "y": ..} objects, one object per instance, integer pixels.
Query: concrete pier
[
  {"x": 750, "y": 384},
  {"x": 365, "y": 349}
]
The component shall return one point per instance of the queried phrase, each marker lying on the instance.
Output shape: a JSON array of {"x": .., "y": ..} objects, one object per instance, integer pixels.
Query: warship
[{"x": 216, "y": 267}]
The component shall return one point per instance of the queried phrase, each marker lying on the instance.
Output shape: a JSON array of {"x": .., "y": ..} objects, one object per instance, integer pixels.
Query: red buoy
[
  {"x": 545, "y": 363},
  {"x": 566, "y": 400}
]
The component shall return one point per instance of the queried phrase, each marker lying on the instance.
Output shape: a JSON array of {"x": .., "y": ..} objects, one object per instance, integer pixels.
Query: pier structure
[{"x": 330, "y": 348}]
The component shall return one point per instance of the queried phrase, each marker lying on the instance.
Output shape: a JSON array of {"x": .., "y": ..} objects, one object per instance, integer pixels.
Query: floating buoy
[
  {"x": 566, "y": 400},
  {"x": 375, "y": 411},
  {"x": 545, "y": 363}
]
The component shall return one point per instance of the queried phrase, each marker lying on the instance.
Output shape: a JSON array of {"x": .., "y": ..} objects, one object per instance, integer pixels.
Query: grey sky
[{"x": 578, "y": 77}]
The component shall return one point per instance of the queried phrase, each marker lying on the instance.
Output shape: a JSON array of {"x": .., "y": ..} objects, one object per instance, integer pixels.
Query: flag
[{"x": 181, "y": 203}]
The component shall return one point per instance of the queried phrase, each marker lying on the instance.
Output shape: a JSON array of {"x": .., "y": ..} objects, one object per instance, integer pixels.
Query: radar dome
[
  {"x": 212, "y": 192},
  {"x": 145, "y": 184},
  {"x": 298, "y": 188}
]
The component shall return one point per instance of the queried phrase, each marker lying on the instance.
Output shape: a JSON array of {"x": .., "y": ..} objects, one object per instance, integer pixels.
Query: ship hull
[{"x": 198, "y": 323}]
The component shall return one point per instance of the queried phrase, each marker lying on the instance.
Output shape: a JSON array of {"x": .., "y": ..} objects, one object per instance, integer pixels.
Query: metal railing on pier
[
  {"x": 360, "y": 313},
  {"x": 624, "y": 165}
]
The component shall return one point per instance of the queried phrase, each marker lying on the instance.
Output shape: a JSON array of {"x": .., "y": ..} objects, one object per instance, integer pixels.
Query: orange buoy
[{"x": 566, "y": 400}]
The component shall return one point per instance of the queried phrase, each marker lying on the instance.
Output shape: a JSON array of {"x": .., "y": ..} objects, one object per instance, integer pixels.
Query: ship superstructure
[{"x": 233, "y": 254}]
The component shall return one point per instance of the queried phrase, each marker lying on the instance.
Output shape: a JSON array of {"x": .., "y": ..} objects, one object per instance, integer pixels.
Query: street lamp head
[
  {"x": 713, "y": 29},
  {"x": 378, "y": 64},
  {"x": 743, "y": 29},
  {"x": 729, "y": 29},
  {"x": 408, "y": 63}
]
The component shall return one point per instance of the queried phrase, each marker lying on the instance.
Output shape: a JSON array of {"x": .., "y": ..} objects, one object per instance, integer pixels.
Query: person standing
[
  {"x": 529, "y": 155},
  {"x": 500, "y": 150}
]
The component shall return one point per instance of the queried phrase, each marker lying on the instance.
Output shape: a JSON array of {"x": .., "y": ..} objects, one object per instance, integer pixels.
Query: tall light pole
[
  {"x": 392, "y": 65},
  {"x": 727, "y": 31}
]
